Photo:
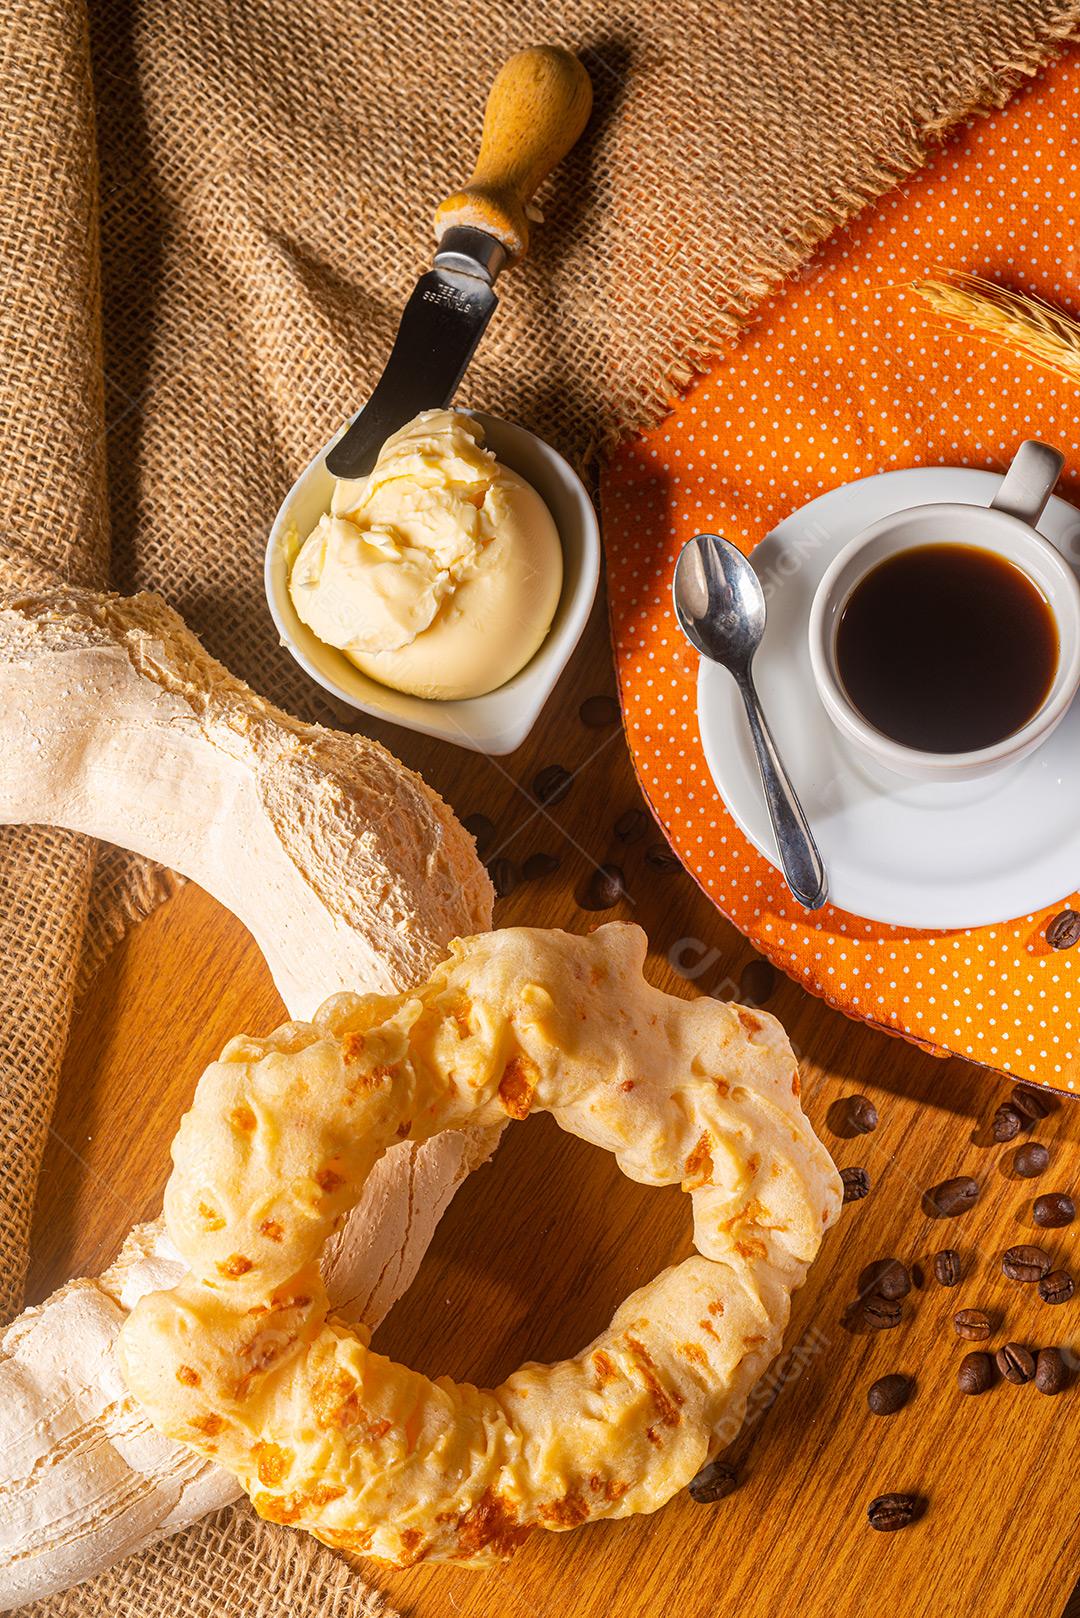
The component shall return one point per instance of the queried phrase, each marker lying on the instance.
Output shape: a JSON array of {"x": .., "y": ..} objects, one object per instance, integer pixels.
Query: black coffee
[{"x": 947, "y": 648}]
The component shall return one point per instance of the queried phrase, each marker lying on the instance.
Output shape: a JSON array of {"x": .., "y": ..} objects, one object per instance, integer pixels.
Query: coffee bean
[
  {"x": 504, "y": 877},
  {"x": 1054, "y": 1209},
  {"x": 538, "y": 866},
  {"x": 712, "y": 1483},
  {"x": 598, "y": 712},
  {"x": 1016, "y": 1363},
  {"x": 1057, "y": 1287},
  {"x": 1025, "y": 1263},
  {"x": 756, "y": 982},
  {"x": 659, "y": 857},
  {"x": 889, "y": 1394},
  {"x": 483, "y": 830},
  {"x": 892, "y": 1511},
  {"x": 552, "y": 785},
  {"x": 947, "y": 1267},
  {"x": 975, "y": 1373},
  {"x": 881, "y": 1314},
  {"x": 886, "y": 1276},
  {"x": 605, "y": 887},
  {"x": 632, "y": 826},
  {"x": 1051, "y": 1374},
  {"x": 862, "y": 1115},
  {"x": 856, "y": 1184},
  {"x": 973, "y": 1325},
  {"x": 1007, "y": 1123},
  {"x": 1030, "y": 1159},
  {"x": 1064, "y": 931},
  {"x": 952, "y": 1197},
  {"x": 1033, "y": 1103}
]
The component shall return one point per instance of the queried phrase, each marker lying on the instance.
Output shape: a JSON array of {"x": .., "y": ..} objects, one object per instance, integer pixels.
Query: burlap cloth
[{"x": 211, "y": 214}]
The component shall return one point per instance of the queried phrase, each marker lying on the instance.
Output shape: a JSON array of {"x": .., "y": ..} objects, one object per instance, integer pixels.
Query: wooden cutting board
[{"x": 540, "y": 1246}]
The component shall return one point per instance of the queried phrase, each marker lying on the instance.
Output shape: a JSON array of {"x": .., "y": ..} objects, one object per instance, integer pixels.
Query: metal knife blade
[{"x": 442, "y": 323}]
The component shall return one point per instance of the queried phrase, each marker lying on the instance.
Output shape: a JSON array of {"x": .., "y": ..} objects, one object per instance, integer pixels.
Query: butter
[{"x": 439, "y": 573}]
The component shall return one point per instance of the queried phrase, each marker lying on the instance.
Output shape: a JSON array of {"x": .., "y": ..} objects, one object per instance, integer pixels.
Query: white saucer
[{"x": 937, "y": 856}]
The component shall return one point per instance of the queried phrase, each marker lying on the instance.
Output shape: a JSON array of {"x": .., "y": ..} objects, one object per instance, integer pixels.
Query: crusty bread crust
[{"x": 349, "y": 872}]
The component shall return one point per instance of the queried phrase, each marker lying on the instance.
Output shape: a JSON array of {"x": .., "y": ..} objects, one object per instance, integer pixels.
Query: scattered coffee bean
[
  {"x": 552, "y": 785},
  {"x": 713, "y": 1482},
  {"x": 889, "y": 1394},
  {"x": 537, "y": 866},
  {"x": 1064, "y": 931},
  {"x": 504, "y": 877},
  {"x": 953, "y": 1196},
  {"x": 973, "y": 1325},
  {"x": 1007, "y": 1123},
  {"x": 881, "y": 1314},
  {"x": 756, "y": 982},
  {"x": 1057, "y": 1287},
  {"x": 1033, "y": 1104},
  {"x": 975, "y": 1373},
  {"x": 892, "y": 1511},
  {"x": 632, "y": 826},
  {"x": 598, "y": 712},
  {"x": 947, "y": 1267},
  {"x": 1050, "y": 1371},
  {"x": 659, "y": 857},
  {"x": 886, "y": 1276},
  {"x": 1031, "y": 1159},
  {"x": 856, "y": 1184},
  {"x": 1025, "y": 1263},
  {"x": 862, "y": 1115},
  {"x": 1054, "y": 1209},
  {"x": 605, "y": 887},
  {"x": 1016, "y": 1363},
  {"x": 483, "y": 830}
]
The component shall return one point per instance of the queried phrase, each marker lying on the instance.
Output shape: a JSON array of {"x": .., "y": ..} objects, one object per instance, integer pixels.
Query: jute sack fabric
[{"x": 211, "y": 214}]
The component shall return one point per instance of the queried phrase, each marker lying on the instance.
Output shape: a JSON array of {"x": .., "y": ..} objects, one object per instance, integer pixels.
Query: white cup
[{"x": 1006, "y": 527}]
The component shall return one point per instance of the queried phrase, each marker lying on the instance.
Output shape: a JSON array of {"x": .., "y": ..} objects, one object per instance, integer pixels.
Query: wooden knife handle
[{"x": 538, "y": 106}]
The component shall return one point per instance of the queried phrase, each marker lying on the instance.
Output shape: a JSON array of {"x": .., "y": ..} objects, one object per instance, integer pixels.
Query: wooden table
[{"x": 540, "y": 1246}]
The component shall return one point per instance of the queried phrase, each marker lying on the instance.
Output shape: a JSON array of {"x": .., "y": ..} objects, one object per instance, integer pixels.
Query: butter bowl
[{"x": 499, "y": 721}]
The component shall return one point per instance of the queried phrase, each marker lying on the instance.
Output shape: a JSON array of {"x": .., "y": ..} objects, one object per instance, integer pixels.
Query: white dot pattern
[{"x": 842, "y": 376}]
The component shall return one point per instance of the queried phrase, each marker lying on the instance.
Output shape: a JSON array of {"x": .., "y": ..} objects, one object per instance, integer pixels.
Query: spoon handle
[{"x": 801, "y": 862}]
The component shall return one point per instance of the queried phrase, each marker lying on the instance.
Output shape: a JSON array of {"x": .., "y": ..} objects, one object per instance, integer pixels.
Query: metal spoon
[{"x": 720, "y": 606}]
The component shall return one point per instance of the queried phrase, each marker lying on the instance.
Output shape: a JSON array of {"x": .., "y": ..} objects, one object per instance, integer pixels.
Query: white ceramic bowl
[{"x": 501, "y": 720}]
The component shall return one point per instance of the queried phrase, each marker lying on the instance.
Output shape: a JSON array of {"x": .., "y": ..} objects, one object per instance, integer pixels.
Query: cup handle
[{"x": 1029, "y": 482}]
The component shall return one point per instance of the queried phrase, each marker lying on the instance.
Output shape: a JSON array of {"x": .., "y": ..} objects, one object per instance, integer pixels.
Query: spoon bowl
[{"x": 719, "y": 601}]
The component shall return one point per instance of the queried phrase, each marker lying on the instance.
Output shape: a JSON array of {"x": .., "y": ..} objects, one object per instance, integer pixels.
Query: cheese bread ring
[{"x": 242, "y": 1361}]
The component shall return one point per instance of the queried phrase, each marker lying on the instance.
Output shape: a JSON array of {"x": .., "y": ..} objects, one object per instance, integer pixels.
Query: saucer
[{"x": 936, "y": 856}]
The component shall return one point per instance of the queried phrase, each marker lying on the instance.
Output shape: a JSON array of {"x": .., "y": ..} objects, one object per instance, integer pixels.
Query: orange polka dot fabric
[{"x": 842, "y": 376}]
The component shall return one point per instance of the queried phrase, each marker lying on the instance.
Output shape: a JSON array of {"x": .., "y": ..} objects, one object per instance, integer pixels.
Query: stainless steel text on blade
[{"x": 442, "y": 323}]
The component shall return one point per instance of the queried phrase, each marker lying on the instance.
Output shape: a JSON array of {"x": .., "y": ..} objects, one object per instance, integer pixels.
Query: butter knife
[{"x": 538, "y": 106}]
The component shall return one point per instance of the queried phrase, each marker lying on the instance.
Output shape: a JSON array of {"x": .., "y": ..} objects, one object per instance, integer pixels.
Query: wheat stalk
[{"x": 1024, "y": 325}]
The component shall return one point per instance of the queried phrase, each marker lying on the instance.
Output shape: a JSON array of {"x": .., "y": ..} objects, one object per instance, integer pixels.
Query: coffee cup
[{"x": 1004, "y": 532}]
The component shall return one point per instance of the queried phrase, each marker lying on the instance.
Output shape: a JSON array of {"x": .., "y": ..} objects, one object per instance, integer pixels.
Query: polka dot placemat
[{"x": 844, "y": 375}]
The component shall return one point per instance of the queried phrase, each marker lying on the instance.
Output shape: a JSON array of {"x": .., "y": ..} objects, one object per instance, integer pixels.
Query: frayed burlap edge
[
  {"x": 127, "y": 888},
  {"x": 698, "y": 350},
  {"x": 228, "y": 1554}
]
